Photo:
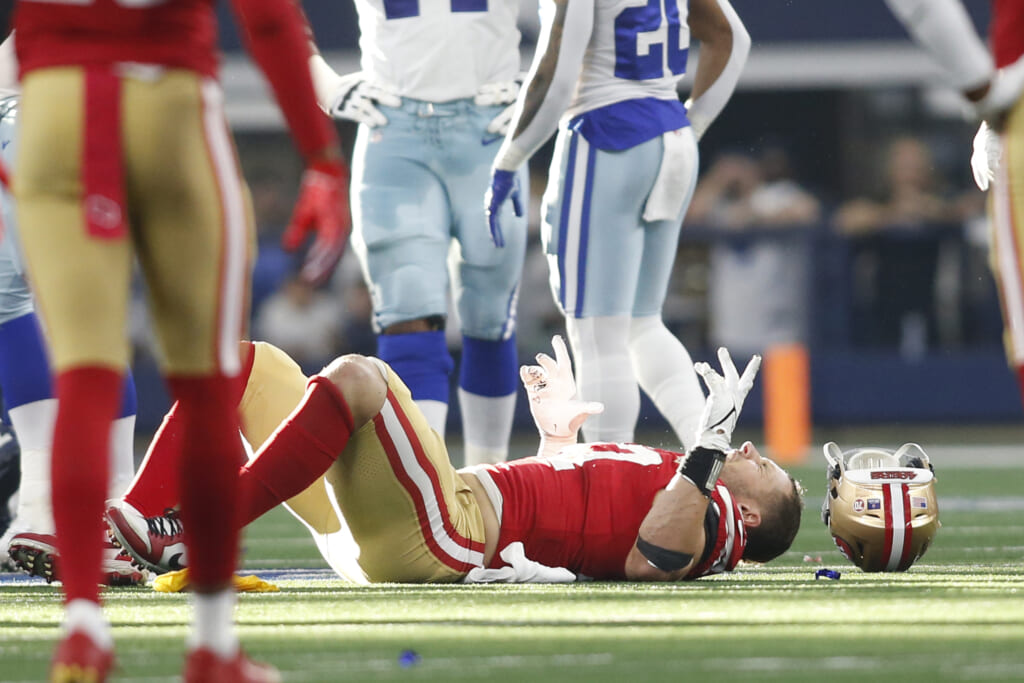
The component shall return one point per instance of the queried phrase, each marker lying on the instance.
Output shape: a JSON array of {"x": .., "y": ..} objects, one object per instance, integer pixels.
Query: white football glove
[
  {"x": 354, "y": 98},
  {"x": 493, "y": 94},
  {"x": 551, "y": 389},
  {"x": 1004, "y": 90},
  {"x": 726, "y": 394},
  {"x": 520, "y": 569},
  {"x": 988, "y": 151}
]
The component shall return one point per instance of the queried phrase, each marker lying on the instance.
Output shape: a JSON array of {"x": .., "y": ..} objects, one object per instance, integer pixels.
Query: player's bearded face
[{"x": 748, "y": 474}]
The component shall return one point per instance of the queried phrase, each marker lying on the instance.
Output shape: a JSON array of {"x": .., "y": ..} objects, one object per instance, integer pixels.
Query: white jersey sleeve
[
  {"x": 438, "y": 50},
  {"x": 944, "y": 29}
]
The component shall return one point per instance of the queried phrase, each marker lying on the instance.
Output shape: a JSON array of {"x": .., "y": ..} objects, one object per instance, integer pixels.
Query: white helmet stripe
[{"x": 897, "y": 524}]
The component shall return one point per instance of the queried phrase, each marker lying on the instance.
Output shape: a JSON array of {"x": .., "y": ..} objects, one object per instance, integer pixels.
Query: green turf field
[{"x": 958, "y": 615}]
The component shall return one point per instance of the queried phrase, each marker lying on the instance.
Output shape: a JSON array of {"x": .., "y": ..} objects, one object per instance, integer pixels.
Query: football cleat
[
  {"x": 79, "y": 660},
  {"x": 119, "y": 568},
  {"x": 204, "y": 666},
  {"x": 37, "y": 554},
  {"x": 155, "y": 543}
]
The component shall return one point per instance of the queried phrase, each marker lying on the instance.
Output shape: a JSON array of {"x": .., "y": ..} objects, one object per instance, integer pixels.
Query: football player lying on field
[{"x": 355, "y": 451}]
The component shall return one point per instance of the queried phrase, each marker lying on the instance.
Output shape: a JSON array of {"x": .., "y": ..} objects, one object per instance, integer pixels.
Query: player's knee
[{"x": 360, "y": 382}]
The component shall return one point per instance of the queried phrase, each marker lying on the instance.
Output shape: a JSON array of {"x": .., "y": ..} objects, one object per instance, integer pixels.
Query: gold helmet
[{"x": 880, "y": 507}]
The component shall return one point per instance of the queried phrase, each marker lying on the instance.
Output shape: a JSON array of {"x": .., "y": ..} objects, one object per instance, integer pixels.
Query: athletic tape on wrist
[
  {"x": 662, "y": 558},
  {"x": 702, "y": 466}
]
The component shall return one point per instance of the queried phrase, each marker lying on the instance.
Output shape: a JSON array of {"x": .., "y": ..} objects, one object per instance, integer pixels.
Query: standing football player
[
  {"x": 125, "y": 152},
  {"x": 994, "y": 89},
  {"x": 27, "y": 389},
  {"x": 432, "y": 101},
  {"x": 623, "y": 172}
]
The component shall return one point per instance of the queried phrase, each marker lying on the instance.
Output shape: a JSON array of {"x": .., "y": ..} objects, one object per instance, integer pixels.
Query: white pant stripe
[
  {"x": 232, "y": 286},
  {"x": 425, "y": 491},
  {"x": 577, "y": 167},
  {"x": 899, "y": 519}
]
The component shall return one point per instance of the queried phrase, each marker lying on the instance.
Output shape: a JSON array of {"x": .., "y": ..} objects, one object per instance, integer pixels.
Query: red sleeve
[
  {"x": 275, "y": 34},
  {"x": 725, "y": 536}
]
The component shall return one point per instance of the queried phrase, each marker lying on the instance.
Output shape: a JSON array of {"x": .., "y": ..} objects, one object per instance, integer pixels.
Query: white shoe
[{"x": 155, "y": 543}]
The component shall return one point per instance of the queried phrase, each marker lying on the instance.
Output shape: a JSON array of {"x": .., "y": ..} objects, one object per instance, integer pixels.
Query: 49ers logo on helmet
[{"x": 893, "y": 474}]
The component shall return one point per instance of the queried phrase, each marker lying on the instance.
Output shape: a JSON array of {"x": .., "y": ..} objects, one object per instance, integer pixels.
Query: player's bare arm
[
  {"x": 565, "y": 34},
  {"x": 671, "y": 537},
  {"x": 709, "y": 26},
  {"x": 540, "y": 82},
  {"x": 725, "y": 45}
]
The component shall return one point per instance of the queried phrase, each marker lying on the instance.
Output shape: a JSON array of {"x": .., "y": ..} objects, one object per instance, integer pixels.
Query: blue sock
[
  {"x": 422, "y": 360},
  {"x": 489, "y": 368},
  {"x": 24, "y": 366}
]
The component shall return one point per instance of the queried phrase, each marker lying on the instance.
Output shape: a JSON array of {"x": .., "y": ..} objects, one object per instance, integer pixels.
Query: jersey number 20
[{"x": 635, "y": 25}]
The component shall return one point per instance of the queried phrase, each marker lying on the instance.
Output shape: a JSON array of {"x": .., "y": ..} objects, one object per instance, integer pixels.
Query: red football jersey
[
  {"x": 173, "y": 33},
  {"x": 582, "y": 508},
  {"x": 1007, "y": 31}
]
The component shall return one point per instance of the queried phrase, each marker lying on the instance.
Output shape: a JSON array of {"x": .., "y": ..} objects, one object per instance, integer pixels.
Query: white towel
[{"x": 675, "y": 176}]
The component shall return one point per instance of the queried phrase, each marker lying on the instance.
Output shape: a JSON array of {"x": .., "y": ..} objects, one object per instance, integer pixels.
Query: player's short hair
[{"x": 780, "y": 520}]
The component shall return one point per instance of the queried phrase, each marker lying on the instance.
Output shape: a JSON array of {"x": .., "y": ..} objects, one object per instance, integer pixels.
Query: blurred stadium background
[{"x": 839, "y": 123}]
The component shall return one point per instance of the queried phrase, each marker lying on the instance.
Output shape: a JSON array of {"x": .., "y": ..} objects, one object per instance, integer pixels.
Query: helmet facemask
[{"x": 880, "y": 506}]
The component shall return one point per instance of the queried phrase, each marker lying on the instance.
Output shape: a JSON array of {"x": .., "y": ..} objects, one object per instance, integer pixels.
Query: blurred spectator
[
  {"x": 758, "y": 270},
  {"x": 911, "y": 196},
  {"x": 301, "y": 320},
  {"x": 898, "y": 238},
  {"x": 271, "y": 206}
]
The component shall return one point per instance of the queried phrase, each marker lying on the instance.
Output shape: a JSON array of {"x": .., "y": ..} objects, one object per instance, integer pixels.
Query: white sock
[
  {"x": 122, "y": 456},
  {"x": 213, "y": 623},
  {"x": 486, "y": 426},
  {"x": 87, "y": 616},
  {"x": 666, "y": 374},
  {"x": 436, "y": 413},
  {"x": 604, "y": 373},
  {"x": 33, "y": 423}
]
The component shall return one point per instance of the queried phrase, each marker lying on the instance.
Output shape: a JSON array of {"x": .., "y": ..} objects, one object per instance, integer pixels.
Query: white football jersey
[
  {"x": 637, "y": 49},
  {"x": 438, "y": 50}
]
